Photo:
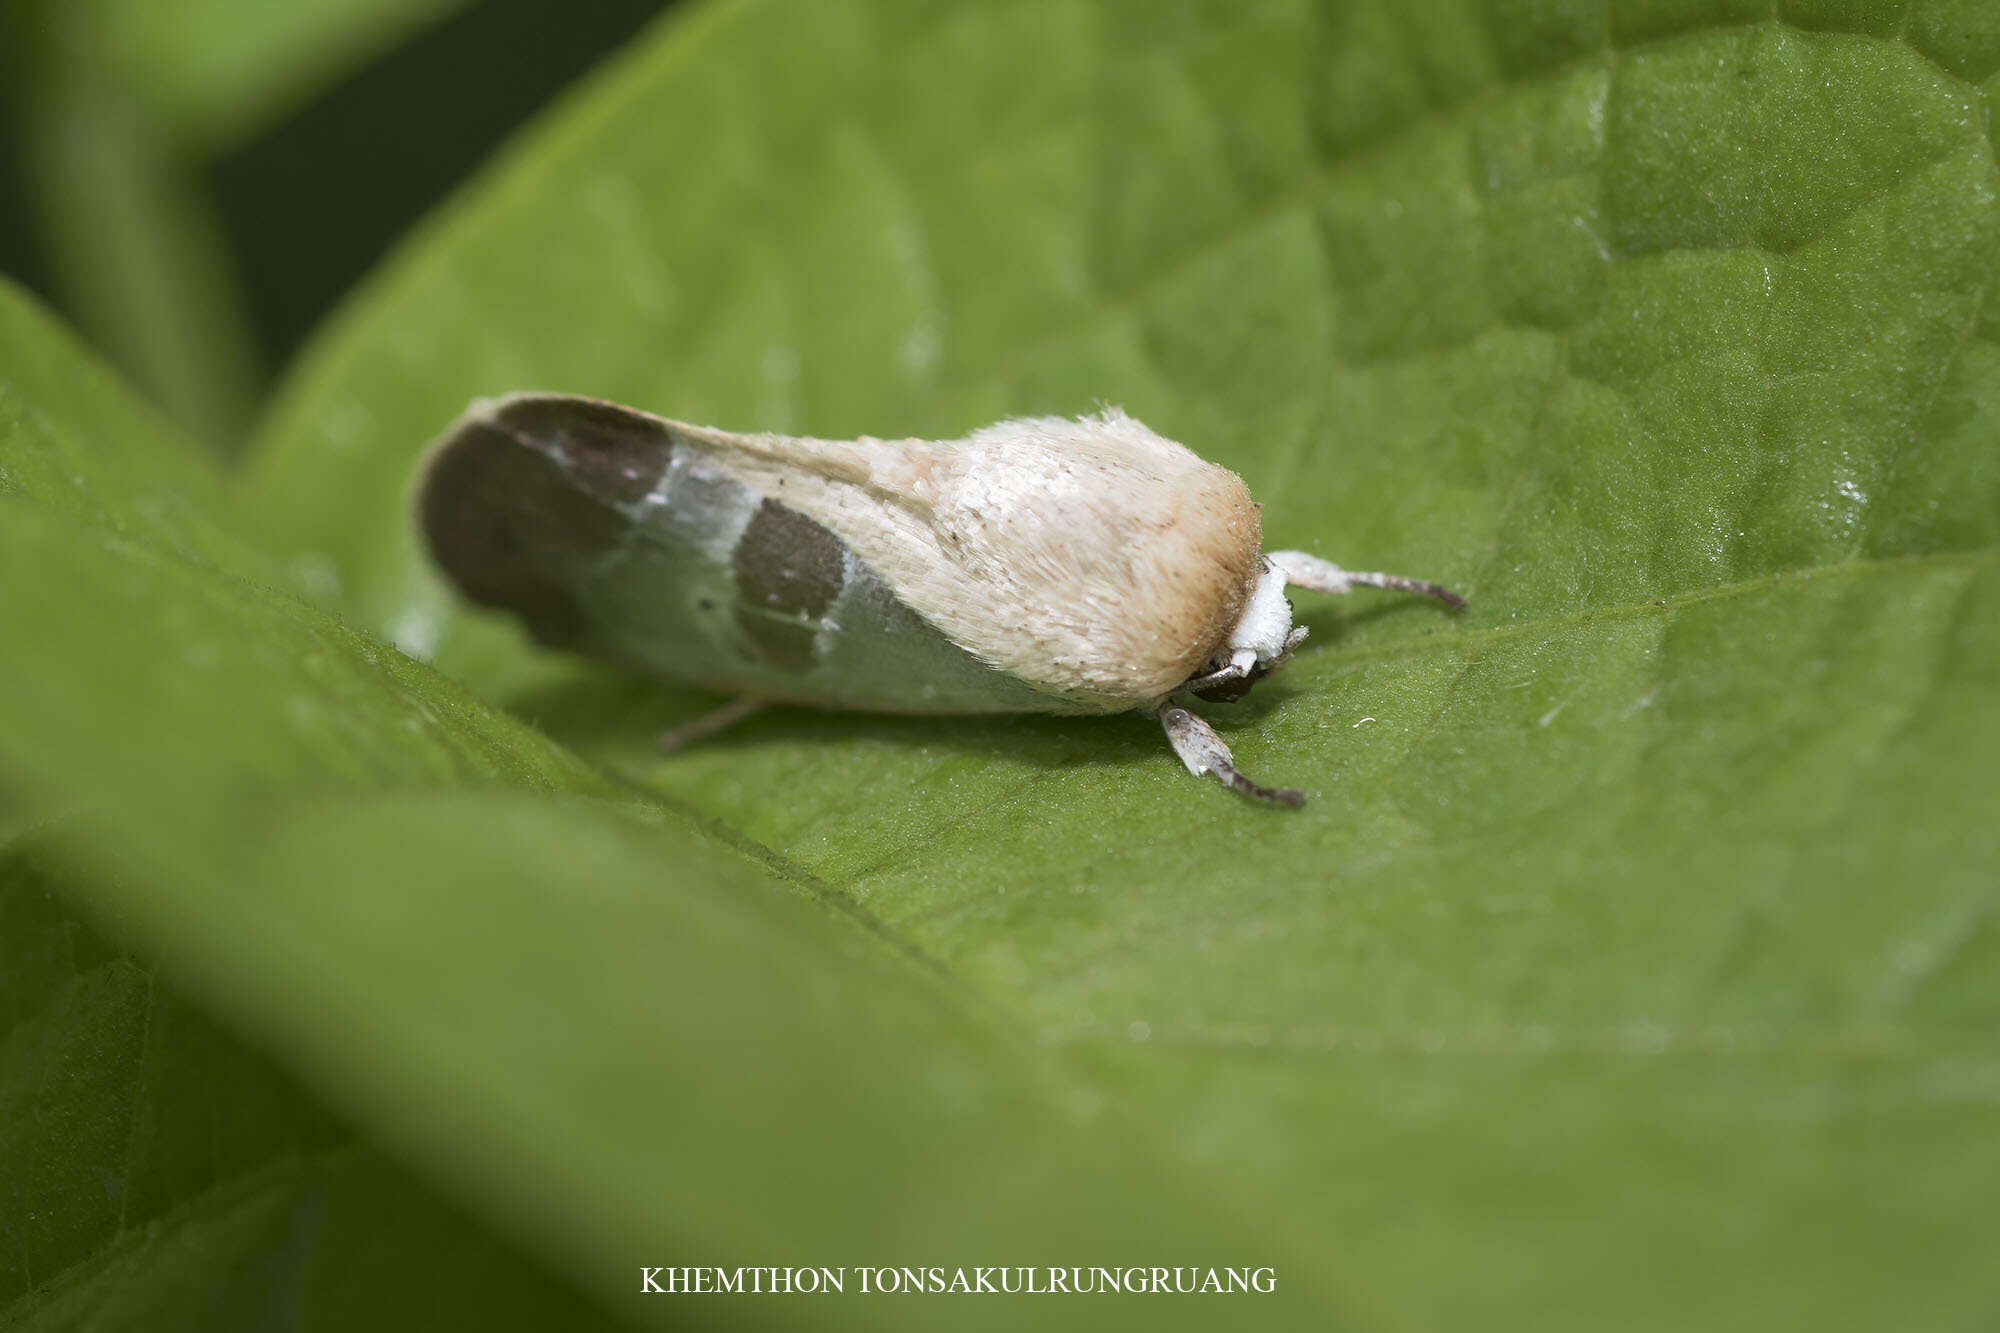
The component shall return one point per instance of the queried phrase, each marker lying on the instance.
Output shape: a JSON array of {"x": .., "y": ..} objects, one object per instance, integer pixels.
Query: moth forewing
[
  {"x": 621, "y": 536},
  {"x": 1037, "y": 565}
]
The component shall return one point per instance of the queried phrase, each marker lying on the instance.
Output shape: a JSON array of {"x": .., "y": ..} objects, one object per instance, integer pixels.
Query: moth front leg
[
  {"x": 1203, "y": 752},
  {"x": 1303, "y": 570}
]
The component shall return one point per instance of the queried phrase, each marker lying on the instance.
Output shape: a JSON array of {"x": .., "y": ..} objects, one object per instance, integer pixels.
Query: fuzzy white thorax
[{"x": 1267, "y": 621}]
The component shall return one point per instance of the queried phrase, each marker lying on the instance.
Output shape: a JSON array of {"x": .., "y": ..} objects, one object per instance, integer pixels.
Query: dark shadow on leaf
[
  {"x": 596, "y": 705},
  {"x": 614, "y": 718},
  {"x": 1331, "y": 624}
]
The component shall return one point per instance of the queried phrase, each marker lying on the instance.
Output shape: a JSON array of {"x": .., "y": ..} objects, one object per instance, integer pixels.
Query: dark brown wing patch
[
  {"x": 789, "y": 570},
  {"x": 608, "y": 451},
  {"x": 516, "y": 505}
]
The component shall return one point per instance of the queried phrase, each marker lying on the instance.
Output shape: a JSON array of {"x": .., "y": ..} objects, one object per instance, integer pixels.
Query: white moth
[{"x": 1039, "y": 565}]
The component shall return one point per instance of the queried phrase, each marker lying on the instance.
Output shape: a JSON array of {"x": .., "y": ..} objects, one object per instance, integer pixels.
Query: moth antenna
[
  {"x": 709, "y": 723},
  {"x": 1303, "y": 570},
  {"x": 1203, "y": 752}
]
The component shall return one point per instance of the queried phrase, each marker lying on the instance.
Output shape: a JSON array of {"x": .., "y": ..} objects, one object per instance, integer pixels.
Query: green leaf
[
  {"x": 147, "y": 653},
  {"x": 159, "y": 1174},
  {"x": 78, "y": 445},
  {"x": 1633, "y": 963},
  {"x": 623, "y": 1039}
]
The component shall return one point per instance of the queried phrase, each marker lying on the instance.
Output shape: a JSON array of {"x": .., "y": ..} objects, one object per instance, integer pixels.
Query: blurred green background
[
  {"x": 195, "y": 183},
  {"x": 1632, "y": 966}
]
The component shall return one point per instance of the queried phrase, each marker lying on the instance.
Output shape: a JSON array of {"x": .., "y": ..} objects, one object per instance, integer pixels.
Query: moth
[{"x": 1041, "y": 565}]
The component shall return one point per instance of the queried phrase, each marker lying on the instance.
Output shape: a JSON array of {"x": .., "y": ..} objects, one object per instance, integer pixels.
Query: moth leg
[
  {"x": 1242, "y": 673},
  {"x": 1316, "y": 575},
  {"x": 709, "y": 723},
  {"x": 1222, "y": 675},
  {"x": 1203, "y": 752}
]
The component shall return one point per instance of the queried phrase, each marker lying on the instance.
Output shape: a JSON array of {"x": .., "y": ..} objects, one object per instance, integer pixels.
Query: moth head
[{"x": 1261, "y": 641}]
